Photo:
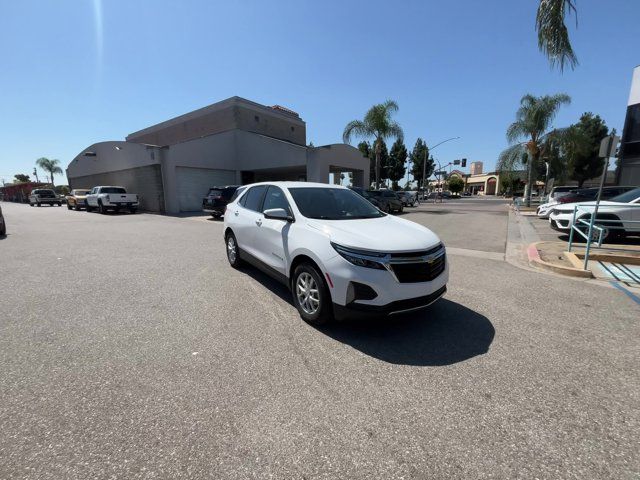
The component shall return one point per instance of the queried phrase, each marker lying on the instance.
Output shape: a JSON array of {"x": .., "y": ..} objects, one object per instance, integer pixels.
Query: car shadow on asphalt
[{"x": 441, "y": 334}]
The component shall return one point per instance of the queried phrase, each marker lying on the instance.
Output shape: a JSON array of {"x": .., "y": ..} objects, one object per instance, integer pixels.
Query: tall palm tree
[
  {"x": 377, "y": 123},
  {"x": 553, "y": 36},
  {"x": 51, "y": 166},
  {"x": 533, "y": 125}
]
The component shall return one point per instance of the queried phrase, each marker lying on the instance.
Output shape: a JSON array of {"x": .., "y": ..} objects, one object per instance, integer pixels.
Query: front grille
[
  {"x": 419, "y": 271},
  {"x": 422, "y": 253}
]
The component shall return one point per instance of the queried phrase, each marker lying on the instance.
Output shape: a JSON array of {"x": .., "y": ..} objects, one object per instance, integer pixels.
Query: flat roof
[{"x": 288, "y": 115}]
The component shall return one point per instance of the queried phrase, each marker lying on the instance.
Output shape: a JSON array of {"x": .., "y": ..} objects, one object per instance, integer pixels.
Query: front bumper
[
  {"x": 560, "y": 223},
  {"x": 392, "y": 296},
  {"x": 358, "y": 310}
]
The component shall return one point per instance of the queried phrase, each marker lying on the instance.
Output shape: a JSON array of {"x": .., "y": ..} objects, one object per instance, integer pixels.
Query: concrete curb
[{"x": 536, "y": 261}]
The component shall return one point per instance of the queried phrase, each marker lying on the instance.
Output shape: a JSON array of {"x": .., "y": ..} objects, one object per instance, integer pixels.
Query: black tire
[
  {"x": 388, "y": 209},
  {"x": 30, "y": 204},
  {"x": 59, "y": 204},
  {"x": 324, "y": 310},
  {"x": 401, "y": 209},
  {"x": 77, "y": 208},
  {"x": 69, "y": 207},
  {"x": 3, "y": 230},
  {"x": 39, "y": 204},
  {"x": 101, "y": 209},
  {"x": 89, "y": 209},
  {"x": 233, "y": 251},
  {"x": 133, "y": 210}
]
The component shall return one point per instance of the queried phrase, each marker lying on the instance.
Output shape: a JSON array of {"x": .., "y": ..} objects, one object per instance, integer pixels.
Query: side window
[
  {"x": 275, "y": 199},
  {"x": 389, "y": 194},
  {"x": 253, "y": 198},
  {"x": 236, "y": 194}
]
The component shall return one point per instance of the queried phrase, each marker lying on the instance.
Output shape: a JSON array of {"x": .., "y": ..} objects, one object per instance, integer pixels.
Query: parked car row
[
  {"x": 560, "y": 195},
  {"x": 103, "y": 199},
  {"x": 615, "y": 214},
  {"x": 388, "y": 201}
]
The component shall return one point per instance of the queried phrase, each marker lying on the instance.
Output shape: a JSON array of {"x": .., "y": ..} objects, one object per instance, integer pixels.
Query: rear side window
[
  {"x": 389, "y": 194},
  {"x": 253, "y": 198},
  {"x": 236, "y": 194},
  {"x": 229, "y": 192}
]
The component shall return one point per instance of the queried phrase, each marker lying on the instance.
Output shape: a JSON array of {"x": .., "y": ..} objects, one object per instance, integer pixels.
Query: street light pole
[{"x": 430, "y": 149}]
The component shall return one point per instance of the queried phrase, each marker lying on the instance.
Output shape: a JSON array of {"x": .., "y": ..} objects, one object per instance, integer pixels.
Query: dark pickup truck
[{"x": 217, "y": 199}]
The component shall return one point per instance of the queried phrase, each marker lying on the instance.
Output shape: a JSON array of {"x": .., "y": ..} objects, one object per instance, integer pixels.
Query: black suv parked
[{"x": 217, "y": 199}]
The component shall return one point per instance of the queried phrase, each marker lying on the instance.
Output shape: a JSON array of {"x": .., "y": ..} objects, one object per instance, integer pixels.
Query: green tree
[
  {"x": 395, "y": 167},
  {"x": 418, "y": 154},
  {"x": 532, "y": 124},
  {"x": 377, "y": 123},
  {"x": 51, "y": 166},
  {"x": 553, "y": 35},
  {"x": 582, "y": 148},
  {"x": 456, "y": 184},
  {"x": 22, "y": 178}
]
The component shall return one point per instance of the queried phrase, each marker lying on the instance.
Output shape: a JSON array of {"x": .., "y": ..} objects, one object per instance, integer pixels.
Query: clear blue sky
[{"x": 75, "y": 72}]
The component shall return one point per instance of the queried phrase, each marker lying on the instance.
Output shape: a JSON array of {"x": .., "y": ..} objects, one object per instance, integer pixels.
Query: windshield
[
  {"x": 215, "y": 192},
  {"x": 332, "y": 204},
  {"x": 113, "y": 190},
  {"x": 627, "y": 197},
  {"x": 81, "y": 192}
]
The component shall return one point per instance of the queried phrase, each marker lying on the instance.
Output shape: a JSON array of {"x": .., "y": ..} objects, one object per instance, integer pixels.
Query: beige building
[{"x": 172, "y": 165}]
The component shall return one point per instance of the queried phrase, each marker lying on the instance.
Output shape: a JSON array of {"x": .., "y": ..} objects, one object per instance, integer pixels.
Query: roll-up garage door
[{"x": 194, "y": 183}]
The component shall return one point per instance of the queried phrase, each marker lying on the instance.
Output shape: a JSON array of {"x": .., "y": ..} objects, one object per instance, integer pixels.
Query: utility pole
[{"x": 35, "y": 172}]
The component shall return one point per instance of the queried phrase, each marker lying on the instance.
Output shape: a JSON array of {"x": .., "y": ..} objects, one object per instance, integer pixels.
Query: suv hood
[{"x": 383, "y": 234}]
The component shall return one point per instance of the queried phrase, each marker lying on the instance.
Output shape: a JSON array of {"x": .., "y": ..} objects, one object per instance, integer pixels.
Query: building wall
[
  {"x": 628, "y": 172},
  {"x": 146, "y": 181},
  {"x": 230, "y": 114}
]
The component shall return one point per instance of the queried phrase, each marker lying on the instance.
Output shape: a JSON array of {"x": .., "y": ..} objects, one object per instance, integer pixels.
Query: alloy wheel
[
  {"x": 307, "y": 293},
  {"x": 232, "y": 252}
]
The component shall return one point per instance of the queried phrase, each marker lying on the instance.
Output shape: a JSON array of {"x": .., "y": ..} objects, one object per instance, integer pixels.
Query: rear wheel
[
  {"x": 59, "y": 204},
  {"x": 133, "y": 210},
  {"x": 39, "y": 204},
  {"x": 310, "y": 295},
  {"x": 401, "y": 209},
  {"x": 102, "y": 209},
  {"x": 233, "y": 252}
]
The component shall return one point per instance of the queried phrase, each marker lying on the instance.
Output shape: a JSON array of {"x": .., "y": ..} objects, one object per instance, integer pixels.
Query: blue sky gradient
[{"x": 77, "y": 72}]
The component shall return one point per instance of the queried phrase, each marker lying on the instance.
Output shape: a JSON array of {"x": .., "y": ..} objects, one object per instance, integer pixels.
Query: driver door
[{"x": 272, "y": 235}]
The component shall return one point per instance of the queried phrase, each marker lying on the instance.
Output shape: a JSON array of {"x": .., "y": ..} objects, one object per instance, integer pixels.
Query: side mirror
[{"x": 278, "y": 214}]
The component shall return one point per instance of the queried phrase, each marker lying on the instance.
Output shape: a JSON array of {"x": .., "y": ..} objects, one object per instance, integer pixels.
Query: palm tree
[
  {"x": 51, "y": 166},
  {"x": 533, "y": 124},
  {"x": 378, "y": 124},
  {"x": 553, "y": 36}
]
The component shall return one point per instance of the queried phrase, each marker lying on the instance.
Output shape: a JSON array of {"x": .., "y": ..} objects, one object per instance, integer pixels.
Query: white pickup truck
[{"x": 106, "y": 198}]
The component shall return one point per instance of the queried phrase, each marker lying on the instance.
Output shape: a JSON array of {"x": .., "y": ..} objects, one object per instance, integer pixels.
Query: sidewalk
[{"x": 531, "y": 244}]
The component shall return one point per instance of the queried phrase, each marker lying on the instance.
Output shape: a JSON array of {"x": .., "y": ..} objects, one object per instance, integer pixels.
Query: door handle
[
  {"x": 236, "y": 213},
  {"x": 259, "y": 222}
]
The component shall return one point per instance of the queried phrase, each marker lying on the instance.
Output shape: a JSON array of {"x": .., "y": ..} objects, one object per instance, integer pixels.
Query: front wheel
[
  {"x": 233, "y": 251},
  {"x": 59, "y": 204},
  {"x": 401, "y": 209},
  {"x": 133, "y": 210},
  {"x": 69, "y": 207},
  {"x": 310, "y": 295}
]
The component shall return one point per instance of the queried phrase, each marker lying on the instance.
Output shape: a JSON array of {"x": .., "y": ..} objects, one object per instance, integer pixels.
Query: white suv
[{"x": 340, "y": 256}]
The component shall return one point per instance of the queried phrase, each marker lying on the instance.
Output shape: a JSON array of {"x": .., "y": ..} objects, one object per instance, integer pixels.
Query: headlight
[{"x": 359, "y": 257}]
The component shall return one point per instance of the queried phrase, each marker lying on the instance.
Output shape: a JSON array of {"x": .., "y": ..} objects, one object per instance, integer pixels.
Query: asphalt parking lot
[{"x": 130, "y": 349}]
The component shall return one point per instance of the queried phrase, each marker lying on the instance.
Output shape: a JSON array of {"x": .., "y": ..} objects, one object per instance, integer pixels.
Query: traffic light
[
  {"x": 456, "y": 162},
  {"x": 464, "y": 163}
]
